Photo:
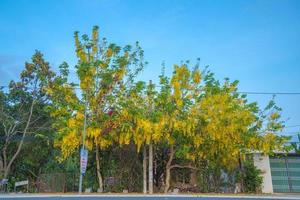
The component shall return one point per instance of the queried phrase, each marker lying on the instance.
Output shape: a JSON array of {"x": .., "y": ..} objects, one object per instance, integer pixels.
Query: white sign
[
  {"x": 83, "y": 160},
  {"x": 21, "y": 183}
]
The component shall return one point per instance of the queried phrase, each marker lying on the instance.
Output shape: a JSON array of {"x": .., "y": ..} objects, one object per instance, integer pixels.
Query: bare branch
[
  {"x": 39, "y": 117},
  {"x": 23, "y": 136}
]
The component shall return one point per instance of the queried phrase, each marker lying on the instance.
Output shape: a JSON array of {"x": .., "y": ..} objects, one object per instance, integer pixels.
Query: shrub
[{"x": 252, "y": 179}]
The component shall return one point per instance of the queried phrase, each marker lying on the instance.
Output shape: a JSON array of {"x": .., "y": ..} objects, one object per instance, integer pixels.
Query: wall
[{"x": 262, "y": 162}]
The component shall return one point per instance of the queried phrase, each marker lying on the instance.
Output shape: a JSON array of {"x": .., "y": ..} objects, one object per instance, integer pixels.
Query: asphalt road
[{"x": 149, "y": 198}]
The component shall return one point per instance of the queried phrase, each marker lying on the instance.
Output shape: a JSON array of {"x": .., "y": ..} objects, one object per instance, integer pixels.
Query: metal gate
[{"x": 285, "y": 171}]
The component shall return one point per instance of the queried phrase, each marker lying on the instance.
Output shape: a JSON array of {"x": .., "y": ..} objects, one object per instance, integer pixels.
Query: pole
[
  {"x": 144, "y": 169},
  {"x": 150, "y": 167},
  {"x": 83, "y": 140},
  {"x": 84, "y": 125}
]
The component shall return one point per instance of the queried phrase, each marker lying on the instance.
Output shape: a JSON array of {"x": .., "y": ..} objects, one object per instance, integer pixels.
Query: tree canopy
[{"x": 190, "y": 116}]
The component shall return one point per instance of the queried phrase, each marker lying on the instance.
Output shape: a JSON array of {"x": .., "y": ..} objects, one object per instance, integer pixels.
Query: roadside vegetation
[{"x": 188, "y": 130}]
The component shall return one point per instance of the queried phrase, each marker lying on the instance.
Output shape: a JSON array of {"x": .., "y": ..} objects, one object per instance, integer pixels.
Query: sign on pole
[{"x": 83, "y": 160}]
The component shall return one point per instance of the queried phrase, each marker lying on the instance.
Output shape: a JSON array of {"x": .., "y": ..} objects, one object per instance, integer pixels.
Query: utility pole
[
  {"x": 88, "y": 46},
  {"x": 150, "y": 175}
]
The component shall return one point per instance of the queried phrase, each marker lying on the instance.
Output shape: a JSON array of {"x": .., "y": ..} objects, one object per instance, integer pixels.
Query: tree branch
[
  {"x": 184, "y": 166},
  {"x": 22, "y": 140}
]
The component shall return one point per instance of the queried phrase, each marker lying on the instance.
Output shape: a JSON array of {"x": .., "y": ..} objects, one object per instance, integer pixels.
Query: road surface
[{"x": 141, "y": 197}]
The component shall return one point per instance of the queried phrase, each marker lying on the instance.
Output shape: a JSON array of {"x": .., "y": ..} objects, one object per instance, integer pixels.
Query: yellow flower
[{"x": 109, "y": 52}]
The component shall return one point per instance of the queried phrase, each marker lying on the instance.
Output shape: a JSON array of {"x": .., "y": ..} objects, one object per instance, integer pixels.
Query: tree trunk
[
  {"x": 4, "y": 164},
  {"x": 193, "y": 177},
  {"x": 168, "y": 177},
  {"x": 100, "y": 179},
  {"x": 151, "y": 168},
  {"x": 7, "y": 168},
  {"x": 168, "y": 170},
  {"x": 1, "y": 167},
  {"x": 241, "y": 168},
  {"x": 145, "y": 170}
]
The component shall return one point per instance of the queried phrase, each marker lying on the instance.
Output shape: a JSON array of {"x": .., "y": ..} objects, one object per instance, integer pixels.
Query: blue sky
[{"x": 256, "y": 42}]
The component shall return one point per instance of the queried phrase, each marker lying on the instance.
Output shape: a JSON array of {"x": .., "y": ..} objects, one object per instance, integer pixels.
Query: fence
[{"x": 57, "y": 182}]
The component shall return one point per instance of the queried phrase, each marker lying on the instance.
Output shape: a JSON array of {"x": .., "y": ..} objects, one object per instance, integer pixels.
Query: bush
[{"x": 251, "y": 178}]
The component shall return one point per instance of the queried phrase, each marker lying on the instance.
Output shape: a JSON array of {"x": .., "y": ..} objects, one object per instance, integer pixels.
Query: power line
[
  {"x": 271, "y": 93},
  {"x": 240, "y": 92},
  {"x": 292, "y": 126},
  {"x": 289, "y": 133}
]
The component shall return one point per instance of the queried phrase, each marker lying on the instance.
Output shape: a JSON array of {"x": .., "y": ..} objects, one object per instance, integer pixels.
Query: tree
[
  {"x": 230, "y": 127},
  {"x": 174, "y": 102},
  {"x": 193, "y": 122},
  {"x": 140, "y": 123},
  {"x": 104, "y": 71},
  {"x": 212, "y": 122},
  {"x": 22, "y": 110}
]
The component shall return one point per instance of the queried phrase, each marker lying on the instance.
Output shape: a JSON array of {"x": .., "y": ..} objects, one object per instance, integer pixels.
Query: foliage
[
  {"x": 26, "y": 135},
  {"x": 296, "y": 146},
  {"x": 194, "y": 121},
  {"x": 251, "y": 177},
  {"x": 104, "y": 70}
]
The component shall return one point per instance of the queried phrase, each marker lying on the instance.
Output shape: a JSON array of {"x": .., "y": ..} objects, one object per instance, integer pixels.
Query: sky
[{"x": 255, "y": 42}]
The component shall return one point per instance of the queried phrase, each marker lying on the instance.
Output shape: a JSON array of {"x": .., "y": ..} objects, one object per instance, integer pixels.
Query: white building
[{"x": 281, "y": 173}]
